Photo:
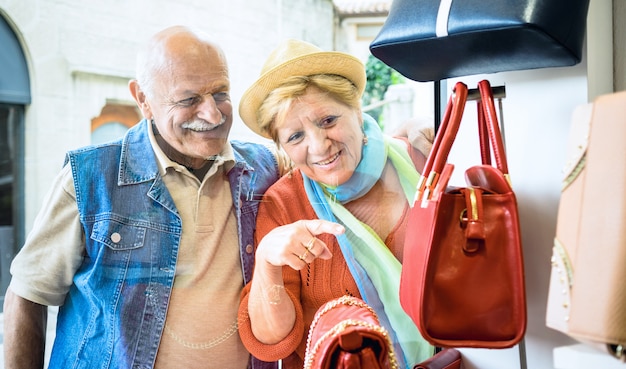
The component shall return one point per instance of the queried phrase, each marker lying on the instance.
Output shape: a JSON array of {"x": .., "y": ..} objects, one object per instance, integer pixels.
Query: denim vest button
[
  {"x": 249, "y": 249},
  {"x": 116, "y": 237}
]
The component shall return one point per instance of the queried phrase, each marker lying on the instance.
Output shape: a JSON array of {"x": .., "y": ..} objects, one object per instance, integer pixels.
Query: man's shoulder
[
  {"x": 93, "y": 152},
  {"x": 245, "y": 146},
  {"x": 135, "y": 140},
  {"x": 253, "y": 153}
]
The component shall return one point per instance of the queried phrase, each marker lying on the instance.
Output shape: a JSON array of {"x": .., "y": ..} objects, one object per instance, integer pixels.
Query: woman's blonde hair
[{"x": 278, "y": 102}]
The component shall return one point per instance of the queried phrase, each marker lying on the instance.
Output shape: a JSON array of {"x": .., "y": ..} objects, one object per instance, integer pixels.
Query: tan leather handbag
[{"x": 587, "y": 293}]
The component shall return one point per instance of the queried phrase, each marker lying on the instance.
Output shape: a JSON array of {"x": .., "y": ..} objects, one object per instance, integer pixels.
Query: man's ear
[{"x": 140, "y": 98}]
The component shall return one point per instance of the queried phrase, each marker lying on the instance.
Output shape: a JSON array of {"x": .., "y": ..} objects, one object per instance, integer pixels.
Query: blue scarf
[{"x": 371, "y": 263}]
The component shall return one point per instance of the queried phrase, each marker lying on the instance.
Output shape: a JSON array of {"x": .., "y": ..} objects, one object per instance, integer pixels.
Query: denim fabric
[{"x": 114, "y": 314}]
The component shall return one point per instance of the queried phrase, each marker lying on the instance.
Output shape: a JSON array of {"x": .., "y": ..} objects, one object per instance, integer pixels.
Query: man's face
[{"x": 190, "y": 103}]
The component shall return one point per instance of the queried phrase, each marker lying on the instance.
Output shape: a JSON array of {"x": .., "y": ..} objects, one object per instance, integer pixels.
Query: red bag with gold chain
[{"x": 346, "y": 334}]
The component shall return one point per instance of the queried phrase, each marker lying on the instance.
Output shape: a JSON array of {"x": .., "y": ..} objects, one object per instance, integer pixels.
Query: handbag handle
[
  {"x": 483, "y": 134},
  {"x": 490, "y": 120},
  {"x": 452, "y": 116},
  {"x": 488, "y": 123}
]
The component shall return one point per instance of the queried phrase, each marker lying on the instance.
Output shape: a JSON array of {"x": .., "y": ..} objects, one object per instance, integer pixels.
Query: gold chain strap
[
  {"x": 341, "y": 326},
  {"x": 343, "y": 300}
]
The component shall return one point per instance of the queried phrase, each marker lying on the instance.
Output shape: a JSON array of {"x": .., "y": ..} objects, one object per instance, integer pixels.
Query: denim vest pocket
[{"x": 118, "y": 235}]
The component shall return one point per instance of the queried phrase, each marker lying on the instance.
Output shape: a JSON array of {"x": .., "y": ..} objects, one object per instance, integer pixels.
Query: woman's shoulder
[
  {"x": 288, "y": 191},
  {"x": 290, "y": 183},
  {"x": 286, "y": 201}
]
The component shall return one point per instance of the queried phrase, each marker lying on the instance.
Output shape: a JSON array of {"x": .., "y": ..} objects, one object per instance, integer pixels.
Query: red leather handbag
[
  {"x": 462, "y": 279},
  {"x": 346, "y": 334}
]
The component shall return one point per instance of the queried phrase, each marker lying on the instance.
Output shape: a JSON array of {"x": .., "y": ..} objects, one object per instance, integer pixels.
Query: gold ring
[
  {"x": 309, "y": 245},
  {"x": 303, "y": 256}
]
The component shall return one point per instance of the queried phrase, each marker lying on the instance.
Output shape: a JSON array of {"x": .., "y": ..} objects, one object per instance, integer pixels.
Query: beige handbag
[{"x": 587, "y": 292}]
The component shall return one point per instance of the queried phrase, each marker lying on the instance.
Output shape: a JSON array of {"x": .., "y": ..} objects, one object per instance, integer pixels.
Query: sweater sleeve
[
  {"x": 417, "y": 156},
  {"x": 264, "y": 351}
]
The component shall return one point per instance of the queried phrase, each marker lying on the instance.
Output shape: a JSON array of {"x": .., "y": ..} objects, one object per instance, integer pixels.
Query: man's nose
[{"x": 208, "y": 110}]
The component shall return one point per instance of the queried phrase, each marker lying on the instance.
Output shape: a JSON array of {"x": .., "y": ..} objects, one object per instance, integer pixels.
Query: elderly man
[{"x": 146, "y": 243}]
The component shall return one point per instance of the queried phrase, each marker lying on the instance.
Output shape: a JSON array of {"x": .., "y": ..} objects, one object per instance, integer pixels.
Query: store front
[{"x": 14, "y": 98}]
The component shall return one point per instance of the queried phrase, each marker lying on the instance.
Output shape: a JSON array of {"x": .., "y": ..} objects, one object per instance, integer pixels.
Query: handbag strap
[
  {"x": 488, "y": 127},
  {"x": 483, "y": 134},
  {"x": 493, "y": 128},
  {"x": 454, "y": 113}
]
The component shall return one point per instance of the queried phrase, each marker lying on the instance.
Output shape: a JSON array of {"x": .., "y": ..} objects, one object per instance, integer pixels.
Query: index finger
[{"x": 320, "y": 226}]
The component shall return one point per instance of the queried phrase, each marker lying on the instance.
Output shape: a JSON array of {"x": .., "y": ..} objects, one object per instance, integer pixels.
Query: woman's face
[{"x": 322, "y": 136}]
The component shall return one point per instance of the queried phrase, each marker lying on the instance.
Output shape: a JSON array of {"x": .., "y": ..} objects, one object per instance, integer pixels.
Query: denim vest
[{"x": 114, "y": 314}]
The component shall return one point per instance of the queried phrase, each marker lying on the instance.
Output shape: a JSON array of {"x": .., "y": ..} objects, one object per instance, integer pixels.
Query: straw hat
[{"x": 296, "y": 58}]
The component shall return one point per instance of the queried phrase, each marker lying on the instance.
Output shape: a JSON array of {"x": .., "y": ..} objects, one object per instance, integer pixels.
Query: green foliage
[{"x": 379, "y": 77}]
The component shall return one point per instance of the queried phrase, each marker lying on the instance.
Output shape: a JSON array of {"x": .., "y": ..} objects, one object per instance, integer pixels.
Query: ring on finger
[
  {"x": 309, "y": 245},
  {"x": 303, "y": 256}
]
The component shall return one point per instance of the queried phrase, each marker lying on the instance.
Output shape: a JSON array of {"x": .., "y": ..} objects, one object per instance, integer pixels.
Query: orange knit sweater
[{"x": 284, "y": 203}]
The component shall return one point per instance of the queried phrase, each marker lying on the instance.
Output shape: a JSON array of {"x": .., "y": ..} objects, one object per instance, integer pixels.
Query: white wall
[{"x": 81, "y": 53}]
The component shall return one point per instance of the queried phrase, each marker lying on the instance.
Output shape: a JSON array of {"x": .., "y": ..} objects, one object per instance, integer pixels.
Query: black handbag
[{"x": 431, "y": 40}]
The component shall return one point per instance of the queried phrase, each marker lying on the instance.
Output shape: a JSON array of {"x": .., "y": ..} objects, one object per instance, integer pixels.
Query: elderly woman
[{"x": 334, "y": 226}]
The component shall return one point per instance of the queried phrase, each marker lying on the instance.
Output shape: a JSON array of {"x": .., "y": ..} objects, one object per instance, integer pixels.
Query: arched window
[{"x": 114, "y": 120}]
